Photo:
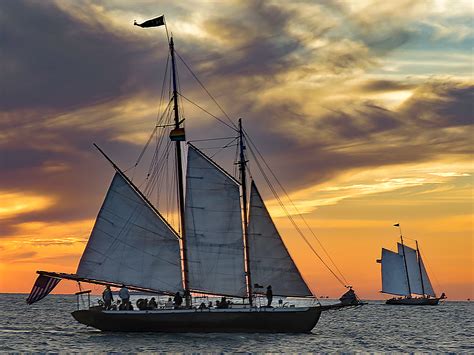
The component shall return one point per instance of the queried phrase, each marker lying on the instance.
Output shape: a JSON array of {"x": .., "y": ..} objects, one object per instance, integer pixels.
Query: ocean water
[{"x": 48, "y": 327}]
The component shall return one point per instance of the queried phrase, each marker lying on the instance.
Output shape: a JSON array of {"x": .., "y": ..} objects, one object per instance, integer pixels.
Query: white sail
[
  {"x": 270, "y": 262},
  {"x": 131, "y": 244},
  {"x": 426, "y": 280},
  {"x": 213, "y": 219},
  {"x": 413, "y": 268},
  {"x": 394, "y": 279}
]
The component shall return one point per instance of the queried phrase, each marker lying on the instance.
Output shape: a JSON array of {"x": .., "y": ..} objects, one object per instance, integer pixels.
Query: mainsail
[
  {"x": 394, "y": 277},
  {"x": 270, "y": 262},
  {"x": 213, "y": 228},
  {"x": 412, "y": 269},
  {"x": 131, "y": 243},
  {"x": 414, "y": 273}
]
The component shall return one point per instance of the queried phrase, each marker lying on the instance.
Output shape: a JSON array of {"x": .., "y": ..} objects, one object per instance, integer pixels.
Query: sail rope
[
  {"x": 430, "y": 270},
  {"x": 234, "y": 126},
  {"x": 288, "y": 215},
  {"x": 295, "y": 208},
  {"x": 203, "y": 109},
  {"x": 209, "y": 139}
]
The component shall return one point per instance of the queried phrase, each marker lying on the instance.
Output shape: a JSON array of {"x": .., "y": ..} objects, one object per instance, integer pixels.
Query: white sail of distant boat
[{"x": 394, "y": 278}]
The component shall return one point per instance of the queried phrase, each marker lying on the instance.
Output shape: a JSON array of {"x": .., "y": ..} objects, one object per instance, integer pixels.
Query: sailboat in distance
[
  {"x": 225, "y": 244},
  {"x": 404, "y": 274}
]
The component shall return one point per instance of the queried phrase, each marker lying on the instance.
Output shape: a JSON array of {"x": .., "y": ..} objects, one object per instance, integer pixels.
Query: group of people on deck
[
  {"x": 122, "y": 304},
  {"x": 175, "y": 303}
]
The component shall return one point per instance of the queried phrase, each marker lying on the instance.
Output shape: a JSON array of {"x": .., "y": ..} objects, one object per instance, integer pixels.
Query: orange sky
[{"x": 363, "y": 109}]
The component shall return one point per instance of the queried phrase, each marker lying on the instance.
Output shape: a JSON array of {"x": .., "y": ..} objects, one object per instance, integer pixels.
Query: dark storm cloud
[{"x": 52, "y": 60}]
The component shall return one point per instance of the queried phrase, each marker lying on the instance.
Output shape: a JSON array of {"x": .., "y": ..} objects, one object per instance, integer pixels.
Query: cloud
[
  {"x": 301, "y": 75},
  {"x": 441, "y": 104},
  {"x": 59, "y": 62}
]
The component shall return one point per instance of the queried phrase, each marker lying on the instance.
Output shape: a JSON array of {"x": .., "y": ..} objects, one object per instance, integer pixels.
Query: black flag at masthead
[{"x": 158, "y": 21}]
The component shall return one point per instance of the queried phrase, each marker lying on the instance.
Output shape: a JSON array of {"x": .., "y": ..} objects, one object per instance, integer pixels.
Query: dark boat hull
[
  {"x": 413, "y": 301},
  {"x": 262, "y": 320}
]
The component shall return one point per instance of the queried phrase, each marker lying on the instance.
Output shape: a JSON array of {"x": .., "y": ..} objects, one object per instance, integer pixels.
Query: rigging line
[
  {"x": 178, "y": 90},
  {"x": 207, "y": 91},
  {"x": 162, "y": 94},
  {"x": 159, "y": 118},
  {"x": 157, "y": 165},
  {"x": 149, "y": 139},
  {"x": 210, "y": 114},
  {"x": 219, "y": 147},
  {"x": 296, "y": 209},
  {"x": 225, "y": 146},
  {"x": 209, "y": 139},
  {"x": 291, "y": 218},
  {"x": 155, "y": 158},
  {"x": 428, "y": 266}
]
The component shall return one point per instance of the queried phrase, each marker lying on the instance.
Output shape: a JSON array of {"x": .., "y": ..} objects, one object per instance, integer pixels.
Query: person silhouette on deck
[
  {"x": 152, "y": 304},
  {"x": 178, "y": 300},
  {"x": 124, "y": 295},
  {"x": 169, "y": 304},
  {"x": 107, "y": 297},
  {"x": 269, "y": 296}
]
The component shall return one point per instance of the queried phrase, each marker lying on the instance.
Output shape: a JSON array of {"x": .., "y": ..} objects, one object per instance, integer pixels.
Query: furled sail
[
  {"x": 414, "y": 272},
  {"x": 131, "y": 244},
  {"x": 270, "y": 262},
  {"x": 394, "y": 279},
  {"x": 213, "y": 218}
]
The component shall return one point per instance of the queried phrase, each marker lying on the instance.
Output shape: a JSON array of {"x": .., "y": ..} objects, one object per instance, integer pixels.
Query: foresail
[
  {"x": 413, "y": 268},
  {"x": 213, "y": 218},
  {"x": 394, "y": 280},
  {"x": 270, "y": 262},
  {"x": 131, "y": 244}
]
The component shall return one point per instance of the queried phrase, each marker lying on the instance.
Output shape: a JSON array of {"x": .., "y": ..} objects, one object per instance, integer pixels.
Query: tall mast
[
  {"x": 405, "y": 261},
  {"x": 179, "y": 171},
  {"x": 419, "y": 267},
  {"x": 243, "y": 181}
]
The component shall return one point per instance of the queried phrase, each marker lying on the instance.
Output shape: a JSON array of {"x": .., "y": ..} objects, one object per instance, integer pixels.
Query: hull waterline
[{"x": 263, "y": 320}]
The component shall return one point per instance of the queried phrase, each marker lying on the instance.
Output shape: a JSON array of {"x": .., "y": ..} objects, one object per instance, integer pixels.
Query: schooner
[
  {"x": 404, "y": 274},
  {"x": 226, "y": 245}
]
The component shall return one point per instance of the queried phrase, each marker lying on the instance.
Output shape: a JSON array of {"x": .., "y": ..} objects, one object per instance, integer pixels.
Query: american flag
[{"x": 42, "y": 287}]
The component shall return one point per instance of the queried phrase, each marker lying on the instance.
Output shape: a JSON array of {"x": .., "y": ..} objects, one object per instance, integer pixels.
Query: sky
[{"x": 363, "y": 109}]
